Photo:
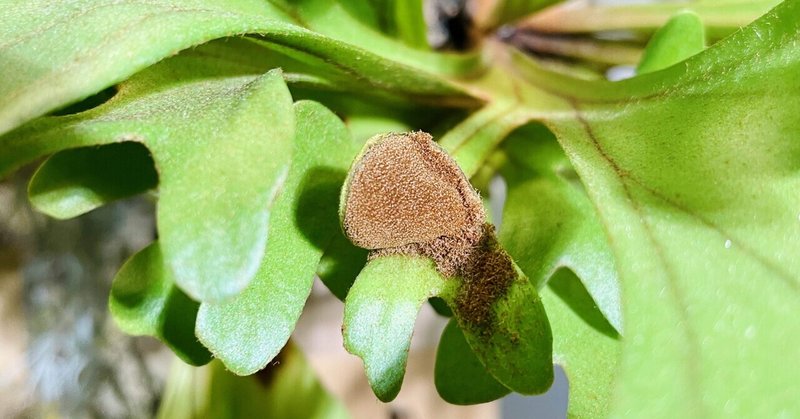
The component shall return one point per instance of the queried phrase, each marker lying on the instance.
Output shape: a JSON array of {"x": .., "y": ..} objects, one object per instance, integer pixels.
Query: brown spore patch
[
  {"x": 405, "y": 189},
  {"x": 407, "y": 196},
  {"x": 486, "y": 277}
]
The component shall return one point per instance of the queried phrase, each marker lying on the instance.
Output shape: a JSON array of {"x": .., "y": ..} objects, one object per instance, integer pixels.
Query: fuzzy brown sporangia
[{"x": 405, "y": 195}]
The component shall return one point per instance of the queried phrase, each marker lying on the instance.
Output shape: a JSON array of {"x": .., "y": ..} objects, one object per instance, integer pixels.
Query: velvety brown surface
[
  {"x": 405, "y": 190},
  {"x": 407, "y": 196}
]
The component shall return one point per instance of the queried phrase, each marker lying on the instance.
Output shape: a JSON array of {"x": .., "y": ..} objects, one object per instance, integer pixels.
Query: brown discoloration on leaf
[
  {"x": 405, "y": 189},
  {"x": 407, "y": 196},
  {"x": 485, "y": 278}
]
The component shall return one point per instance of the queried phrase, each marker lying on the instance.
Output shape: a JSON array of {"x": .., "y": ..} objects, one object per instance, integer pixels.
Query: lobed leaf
[
  {"x": 550, "y": 223},
  {"x": 145, "y": 301},
  {"x": 248, "y": 330},
  {"x": 73, "y": 182},
  {"x": 693, "y": 172},
  {"x": 380, "y": 311},
  {"x": 516, "y": 347},
  {"x": 584, "y": 344},
  {"x": 221, "y": 147}
]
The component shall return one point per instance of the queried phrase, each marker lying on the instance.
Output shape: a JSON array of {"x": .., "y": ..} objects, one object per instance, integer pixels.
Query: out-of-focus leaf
[
  {"x": 54, "y": 54},
  {"x": 489, "y": 14},
  {"x": 549, "y": 222},
  {"x": 249, "y": 329},
  {"x": 333, "y": 21},
  {"x": 694, "y": 172},
  {"x": 721, "y": 17},
  {"x": 584, "y": 344},
  {"x": 402, "y": 19},
  {"x": 410, "y": 22},
  {"x": 73, "y": 182},
  {"x": 379, "y": 316},
  {"x": 680, "y": 38},
  {"x": 221, "y": 146},
  {"x": 340, "y": 265},
  {"x": 145, "y": 301},
  {"x": 593, "y": 54},
  {"x": 286, "y": 389},
  {"x": 459, "y": 376}
]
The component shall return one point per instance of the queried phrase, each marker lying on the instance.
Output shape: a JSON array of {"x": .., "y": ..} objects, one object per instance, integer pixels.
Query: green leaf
[
  {"x": 56, "y": 54},
  {"x": 209, "y": 139},
  {"x": 549, "y": 222},
  {"x": 694, "y": 172},
  {"x": 287, "y": 389},
  {"x": 379, "y": 316},
  {"x": 471, "y": 141},
  {"x": 333, "y": 21},
  {"x": 73, "y": 182},
  {"x": 402, "y": 19},
  {"x": 247, "y": 330},
  {"x": 145, "y": 301},
  {"x": 584, "y": 344},
  {"x": 516, "y": 346},
  {"x": 410, "y": 21},
  {"x": 680, "y": 38},
  {"x": 340, "y": 265},
  {"x": 459, "y": 376}
]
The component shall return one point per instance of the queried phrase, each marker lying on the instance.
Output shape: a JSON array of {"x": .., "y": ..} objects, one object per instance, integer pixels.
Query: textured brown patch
[
  {"x": 405, "y": 189},
  {"x": 485, "y": 278},
  {"x": 477, "y": 260},
  {"x": 407, "y": 196}
]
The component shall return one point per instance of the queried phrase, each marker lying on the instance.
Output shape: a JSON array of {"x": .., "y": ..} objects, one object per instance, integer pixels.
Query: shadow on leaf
[
  {"x": 316, "y": 213},
  {"x": 569, "y": 288}
]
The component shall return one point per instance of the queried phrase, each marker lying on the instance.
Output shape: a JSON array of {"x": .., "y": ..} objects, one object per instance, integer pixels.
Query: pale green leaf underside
[
  {"x": 221, "y": 146},
  {"x": 380, "y": 312},
  {"x": 145, "y": 301},
  {"x": 249, "y": 329}
]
